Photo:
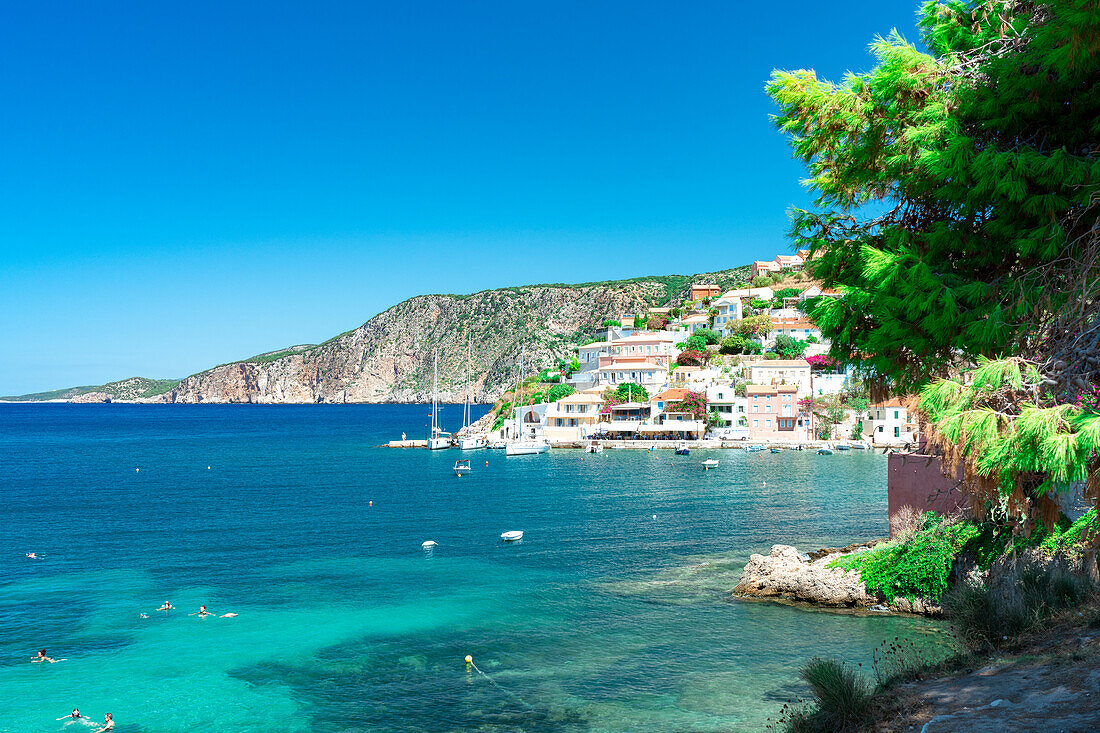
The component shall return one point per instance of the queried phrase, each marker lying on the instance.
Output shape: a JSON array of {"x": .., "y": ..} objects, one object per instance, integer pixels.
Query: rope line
[{"x": 504, "y": 689}]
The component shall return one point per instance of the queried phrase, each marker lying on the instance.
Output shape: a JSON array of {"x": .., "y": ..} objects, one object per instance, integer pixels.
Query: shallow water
[{"x": 603, "y": 618}]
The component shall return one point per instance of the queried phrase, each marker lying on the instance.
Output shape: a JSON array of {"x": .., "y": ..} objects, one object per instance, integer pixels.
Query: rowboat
[
  {"x": 512, "y": 536},
  {"x": 710, "y": 463},
  {"x": 462, "y": 468},
  {"x": 682, "y": 448}
]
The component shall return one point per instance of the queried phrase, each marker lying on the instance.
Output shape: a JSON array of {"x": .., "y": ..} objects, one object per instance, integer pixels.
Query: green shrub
[
  {"x": 918, "y": 566},
  {"x": 1016, "y": 601},
  {"x": 842, "y": 699},
  {"x": 558, "y": 391},
  {"x": 761, "y": 281},
  {"x": 732, "y": 345},
  {"x": 706, "y": 335}
]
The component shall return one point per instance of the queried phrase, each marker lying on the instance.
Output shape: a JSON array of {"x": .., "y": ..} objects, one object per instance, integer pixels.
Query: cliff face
[{"x": 389, "y": 358}]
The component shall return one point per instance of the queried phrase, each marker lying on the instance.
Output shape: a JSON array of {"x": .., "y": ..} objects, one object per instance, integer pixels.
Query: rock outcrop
[
  {"x": 788, "y": 574},
  {"x": 390, "y": 357}
]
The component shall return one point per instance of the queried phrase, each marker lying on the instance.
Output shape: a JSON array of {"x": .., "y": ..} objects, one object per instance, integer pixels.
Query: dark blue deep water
[{"x": 603, "y": 618}]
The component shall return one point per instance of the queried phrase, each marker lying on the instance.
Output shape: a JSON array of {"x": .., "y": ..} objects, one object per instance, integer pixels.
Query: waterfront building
[
  {"x": 573, "y": 418},
  {"x": 732, "y": 408},
  {"x": 669, "y": 421},
  {"x": 774, "y": 413},
  {"x": 889, "y": 423}
]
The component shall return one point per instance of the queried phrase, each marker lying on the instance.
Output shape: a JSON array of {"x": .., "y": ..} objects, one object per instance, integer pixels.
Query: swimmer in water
[
  {"x": 33, "y": 556},
  {"x": 143, "y": 615},
  {"x": 108, "y": 723},
  {"x": 74, "y": 715},
  {"x": 166, "y": 607},
  {"x": 43, "y": 658},
  {"x": 203, "y": 613}
]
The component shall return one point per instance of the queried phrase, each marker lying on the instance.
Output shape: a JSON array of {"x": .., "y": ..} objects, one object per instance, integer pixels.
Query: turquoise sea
[{"x": 612, "y": 614}]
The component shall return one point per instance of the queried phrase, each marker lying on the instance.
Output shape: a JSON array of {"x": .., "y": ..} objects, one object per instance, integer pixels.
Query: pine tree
[{"x": 957, "y": 208}]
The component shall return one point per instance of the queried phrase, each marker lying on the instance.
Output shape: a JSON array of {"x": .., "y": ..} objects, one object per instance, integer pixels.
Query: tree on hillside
[
  {"x": 631, "y": 392},
  {"x": 761, "y": 281},
  {"x": 789, "y": 347},
  {"x": 957, "y": 212},
  {"x": 706, "y": 335},
  {"x": 753, "y": 326},
  {"x": 732, "y": 345}
]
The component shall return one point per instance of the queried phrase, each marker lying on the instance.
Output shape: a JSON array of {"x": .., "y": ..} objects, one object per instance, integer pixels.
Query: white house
[
  {"x": 573, "y": 418},
  {"x": 732, "y": 409},
  {"x": 781, "y": 371},
  {"x": 729, "y": 312},
  {"x": 691, "y": 324},
  {"x": 798, "y": 327},
  {"x": 889, "y": 424}
]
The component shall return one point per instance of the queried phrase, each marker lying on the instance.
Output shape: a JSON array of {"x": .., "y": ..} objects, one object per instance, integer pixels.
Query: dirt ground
[{"x": 1051, "y": 683}]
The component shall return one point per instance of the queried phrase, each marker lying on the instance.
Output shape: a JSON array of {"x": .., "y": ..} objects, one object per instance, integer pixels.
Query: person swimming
[
  {"x": 33, "y": 555},
  {"x": 166, "y": 607},
  {"x": 203, "y": 613},
  {"x": 108, "y": 723},
  {"x": 43, "y": 658},
  {"x": 143, "y": 615},
  {"x": 74, "y": 715}
]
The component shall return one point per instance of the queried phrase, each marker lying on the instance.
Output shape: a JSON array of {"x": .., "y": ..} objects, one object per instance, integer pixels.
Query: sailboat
[
  {"x": 519, "y": 446},
  {"x": 468, "y": 441},
  {"x": 438, "y": 439}
]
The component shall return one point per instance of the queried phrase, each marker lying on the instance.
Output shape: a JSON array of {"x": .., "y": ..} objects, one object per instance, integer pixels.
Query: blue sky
[{"x": 188, "y": 184}]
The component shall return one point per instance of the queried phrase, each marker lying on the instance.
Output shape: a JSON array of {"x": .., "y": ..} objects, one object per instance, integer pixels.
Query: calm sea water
[{"x": 604, "y": 618}]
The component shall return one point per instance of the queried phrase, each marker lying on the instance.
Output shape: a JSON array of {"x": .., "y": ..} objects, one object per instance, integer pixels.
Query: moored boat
[
  {"x": 594, "y": 446},
  {"x": 462, "y": 467},
  {"x": 682, "y": 448},
  {"x": 825, "y": 450},
  {"x": 472, "y": 442},
  {"x": 512, "y": 536},
  {"x": 777, "y": 450},
  {"x": 842, "y": 446},
  {"x": 710, "y": 463},
  {"x": 525, "y": 448}
]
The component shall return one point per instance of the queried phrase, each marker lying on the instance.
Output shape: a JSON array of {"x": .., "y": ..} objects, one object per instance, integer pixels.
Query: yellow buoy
[
  {"x": 370, "y": 503},
  {"x": 136, "y": 470},
  {"x": 469, "y": 659},
  {"x": 208, "y": 468}
]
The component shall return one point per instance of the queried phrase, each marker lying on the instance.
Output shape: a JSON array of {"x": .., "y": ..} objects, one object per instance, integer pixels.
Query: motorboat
[
  {"x": 710, "y": 463},
  {"x": 825, "y": 450},
  {"x": 513, "y": 536},
  {"x": 860, "y": 445},
  {"x": 462, "y": 467},
  {"x": 525, "y": 448},
  {"x": 429, "y": 544},
  {"x": 682, "y": 448},
  {"x": 754, "y": 448},
  {"x": 777, "y": 450},
  {"x": 472, "y": 442},
  {"x": 843, "y": 446},
  {"x": 594, "y": 446},
  {"x": 498, "y": 445}
]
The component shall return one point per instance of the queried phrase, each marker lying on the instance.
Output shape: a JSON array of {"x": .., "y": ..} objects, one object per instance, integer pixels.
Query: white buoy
[
  {"x": 654, "y": 516},
  {"x": 429, "y": 544}
]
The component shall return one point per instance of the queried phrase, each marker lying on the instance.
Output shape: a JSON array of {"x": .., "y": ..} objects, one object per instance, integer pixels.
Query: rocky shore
[{"x": 787, "y": 574}]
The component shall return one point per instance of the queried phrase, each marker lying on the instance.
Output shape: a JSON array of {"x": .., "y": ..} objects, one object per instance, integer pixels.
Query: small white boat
[
  {"x": 498, "y": 445},
  {"x": 462, "y": 467},
  {"x": 710, "y": 463},
  {"x": 526, "y": 448},
  {"x": 860, "y": 445},
  {"x": 472, "y": 442},
  {"x": 682, "y": 448},
  {"x": 777, "y": 450},
  {"x": 429, "y": 544},
  {"x": 513, "y": 536},
  {"x": 843, "y": 446},
  {"x": 594, "y": 446},
  {"x": 754, "y": 448},
  {"x": 440, "y": 440},
  {"x": 825, "y": 450}
]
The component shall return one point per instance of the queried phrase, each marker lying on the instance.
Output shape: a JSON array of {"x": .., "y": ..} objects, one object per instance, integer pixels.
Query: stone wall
[{"x": 917, "y": 480}]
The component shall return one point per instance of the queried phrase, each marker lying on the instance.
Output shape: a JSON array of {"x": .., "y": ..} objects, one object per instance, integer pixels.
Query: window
[
  {"x": 897, "y": 432},
  {"x": 767, "y": 408},
  {"x": 769, "y": 423},
  {"x": 755, "y": 423},
  {"x": 756, "y": 408},
  {"x": 895, "y": 414}
]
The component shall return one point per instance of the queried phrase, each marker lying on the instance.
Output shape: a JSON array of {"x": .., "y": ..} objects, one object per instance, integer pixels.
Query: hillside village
[{"x": 747, "y": 364}]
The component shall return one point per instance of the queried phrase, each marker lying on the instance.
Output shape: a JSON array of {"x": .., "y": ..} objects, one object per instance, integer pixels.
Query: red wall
[{"x": 918, "y": 480}]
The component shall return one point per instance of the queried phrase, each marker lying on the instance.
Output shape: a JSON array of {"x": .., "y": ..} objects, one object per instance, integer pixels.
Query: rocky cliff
[{"x": 389, "y": 358}]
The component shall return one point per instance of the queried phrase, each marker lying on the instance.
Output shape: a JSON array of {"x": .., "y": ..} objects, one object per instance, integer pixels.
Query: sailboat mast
[
  {"x": 435, "y": 395},
  {"x": 466, "y": 407}
]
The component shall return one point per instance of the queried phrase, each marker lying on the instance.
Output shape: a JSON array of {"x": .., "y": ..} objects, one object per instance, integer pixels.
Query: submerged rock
[{"x": 787, "y": 573}]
